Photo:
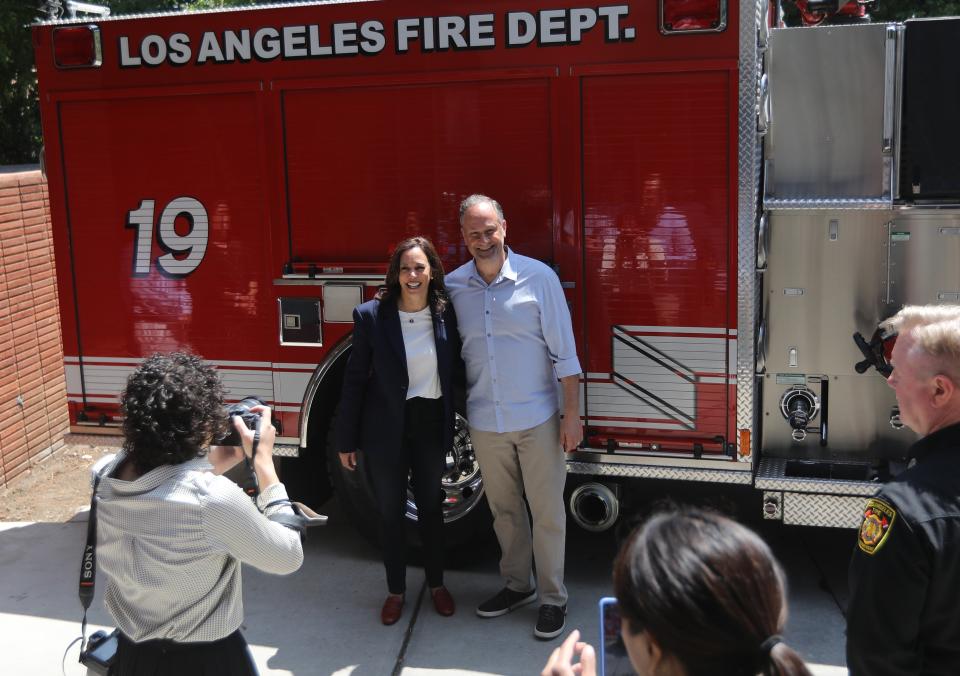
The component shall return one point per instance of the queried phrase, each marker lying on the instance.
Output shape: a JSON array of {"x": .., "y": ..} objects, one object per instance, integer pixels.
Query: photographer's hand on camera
[{"x": 263, "y": 460}]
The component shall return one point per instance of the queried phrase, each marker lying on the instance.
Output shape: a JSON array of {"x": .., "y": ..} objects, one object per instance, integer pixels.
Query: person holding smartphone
[
  {"x": 172, "y": 534},
  {"x": 698, "y": 595}
]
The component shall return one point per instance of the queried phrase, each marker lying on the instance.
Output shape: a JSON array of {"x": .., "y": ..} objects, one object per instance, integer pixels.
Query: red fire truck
[{"x": 724, "y": 204}]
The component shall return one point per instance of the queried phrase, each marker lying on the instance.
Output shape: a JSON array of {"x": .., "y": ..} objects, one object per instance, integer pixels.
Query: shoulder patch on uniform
[{"x": 878, "y": 518}]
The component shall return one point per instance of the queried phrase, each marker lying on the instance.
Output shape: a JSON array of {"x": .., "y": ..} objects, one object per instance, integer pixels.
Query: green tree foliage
[
  {"x": 898, "y": 10},
  {"x": 20, "y": 136},
  {"x": 888, "y": 10},
  {"x": 19, "y": 120}
]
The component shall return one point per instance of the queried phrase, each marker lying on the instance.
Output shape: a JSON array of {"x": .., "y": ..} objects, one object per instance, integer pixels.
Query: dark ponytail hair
[
  {"x": 437, "y": 292},
  {"x": 709, "y": 592}
]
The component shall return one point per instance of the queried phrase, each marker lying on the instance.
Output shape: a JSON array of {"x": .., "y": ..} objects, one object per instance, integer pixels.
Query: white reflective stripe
[
  {"x": 72, "y": 374},
  {"x": 254, "y": 364},
  {"x": 611, "y": 399},
  {"x": 291, "y": 386},
  {"x": 240, "y": 383},
  {"x": 89, "y": 359},
  {"x": 95, "y": 400},
  {"x": 110, "y": 380},
  {"x": 696, "y": 354},
  {"x": 108, "y": 360},
  {"x": 677, "y": 329},
  {"x": 600, "y": 422},
  {"x": 298, "y": 367},
  {"x": 77, "y": 397},
  {"x": 275, "y": 377},
  {"x": 97, "y": 380}
]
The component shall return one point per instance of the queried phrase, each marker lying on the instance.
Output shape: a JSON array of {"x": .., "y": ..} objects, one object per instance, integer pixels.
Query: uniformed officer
[{"x": 904, "y": 610}]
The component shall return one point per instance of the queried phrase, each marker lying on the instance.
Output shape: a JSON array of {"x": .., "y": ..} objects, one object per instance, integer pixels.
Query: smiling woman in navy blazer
[{"x": 397, "y": 409}]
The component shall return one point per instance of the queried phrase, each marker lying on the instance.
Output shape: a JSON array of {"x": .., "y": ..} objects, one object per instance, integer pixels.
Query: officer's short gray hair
[
  {"x": 936, "y": 332},
  {"x": 476, "y": 199},
  {"x": 913, "y": 315}
]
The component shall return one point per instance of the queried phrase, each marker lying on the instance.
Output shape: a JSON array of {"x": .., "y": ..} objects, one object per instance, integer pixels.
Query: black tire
[
  {"x": 467, "y": 518},
  {"x": 305, "y": 479}
]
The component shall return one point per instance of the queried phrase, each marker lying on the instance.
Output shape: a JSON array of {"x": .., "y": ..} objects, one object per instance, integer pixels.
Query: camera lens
[{"x": 242, "y": 409}]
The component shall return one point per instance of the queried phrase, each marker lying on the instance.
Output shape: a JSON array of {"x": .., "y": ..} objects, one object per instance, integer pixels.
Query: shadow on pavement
[{"x": 324, "y": 619}]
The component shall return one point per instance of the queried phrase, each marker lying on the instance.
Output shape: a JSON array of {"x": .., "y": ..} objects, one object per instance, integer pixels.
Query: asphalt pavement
[{"x": 324, "y": 619}]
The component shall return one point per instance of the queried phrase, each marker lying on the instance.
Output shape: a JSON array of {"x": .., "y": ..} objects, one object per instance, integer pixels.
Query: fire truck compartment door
[
  {"x": 369, "y": 165},
  {"x": 167, "y": 210},
  {"x": 657, "y": 228},
  {"x": 929, "y": 167},
  {"x": 832, "y": 121}
]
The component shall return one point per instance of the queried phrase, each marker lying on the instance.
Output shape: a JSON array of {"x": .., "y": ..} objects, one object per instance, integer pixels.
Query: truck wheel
[{"x": 465, "y": 512}]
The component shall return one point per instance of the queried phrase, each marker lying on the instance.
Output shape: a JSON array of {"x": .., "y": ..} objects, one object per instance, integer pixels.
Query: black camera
[
  {"x": 251, "y": 420},
  {"x": 101, "y": 651}
]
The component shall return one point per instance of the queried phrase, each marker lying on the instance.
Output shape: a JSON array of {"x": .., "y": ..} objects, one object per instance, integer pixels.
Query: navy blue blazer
[{"x": 375, "y": 384}]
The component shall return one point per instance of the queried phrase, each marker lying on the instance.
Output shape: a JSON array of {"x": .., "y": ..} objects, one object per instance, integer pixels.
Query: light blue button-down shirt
[{"x": 517, "y": 342}]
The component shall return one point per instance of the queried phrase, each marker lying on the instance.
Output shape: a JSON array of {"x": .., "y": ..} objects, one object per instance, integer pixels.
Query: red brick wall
[{"x": 33, "y": 400}]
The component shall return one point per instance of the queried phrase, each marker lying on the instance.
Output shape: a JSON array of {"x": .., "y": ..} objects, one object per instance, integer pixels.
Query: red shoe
[
  {"x": 442, "y": 601},
  {"x": 392, "y": 608}
]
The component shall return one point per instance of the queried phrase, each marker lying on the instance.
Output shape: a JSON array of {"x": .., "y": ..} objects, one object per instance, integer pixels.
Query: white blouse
[{"x": 421, "y": 350}]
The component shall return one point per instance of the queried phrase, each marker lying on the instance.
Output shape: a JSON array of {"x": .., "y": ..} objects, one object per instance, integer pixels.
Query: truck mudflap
[{"x": 814, "y": 493}]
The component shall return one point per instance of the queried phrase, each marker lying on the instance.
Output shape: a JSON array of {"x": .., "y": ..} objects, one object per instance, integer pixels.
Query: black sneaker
[
  {"x": 504, "y": 601},
  {"x": 550, "y": 621}
]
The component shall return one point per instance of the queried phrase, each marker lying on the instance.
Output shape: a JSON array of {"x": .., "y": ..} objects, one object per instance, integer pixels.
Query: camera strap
[
  {"x": 252, "y": 485},
  {"x": 88, "y": 564}
]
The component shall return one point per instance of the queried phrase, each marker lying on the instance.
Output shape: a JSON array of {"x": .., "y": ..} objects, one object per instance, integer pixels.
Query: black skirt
[{"x": 227, "y": 657}]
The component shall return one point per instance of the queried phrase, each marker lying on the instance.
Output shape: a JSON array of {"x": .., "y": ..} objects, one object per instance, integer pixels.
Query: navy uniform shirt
[{"x": 903, "y": 616}]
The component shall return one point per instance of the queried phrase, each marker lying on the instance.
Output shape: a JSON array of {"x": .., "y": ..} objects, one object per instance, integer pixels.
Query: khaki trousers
[{"x": 527, "y": 462}]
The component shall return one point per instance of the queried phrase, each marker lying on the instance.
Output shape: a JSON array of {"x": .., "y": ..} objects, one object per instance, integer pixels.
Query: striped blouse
[{"x": 170, "y": 545}]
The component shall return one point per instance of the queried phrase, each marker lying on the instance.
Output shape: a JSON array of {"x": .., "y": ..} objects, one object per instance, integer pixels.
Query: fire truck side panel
[
  {"x": 357, "y": 151},
  {"x": 658, "y": 231},
  {"x": 395, "y": 159},
  {"x": 165, "y": 253},
  {"x": 874, "y": 263},
  {"x": 622, "y": 156},
  {"x": 820, "y": 288}
]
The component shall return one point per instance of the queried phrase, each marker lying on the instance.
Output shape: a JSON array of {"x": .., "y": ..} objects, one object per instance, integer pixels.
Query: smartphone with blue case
[{"x": 613, "y": 659}]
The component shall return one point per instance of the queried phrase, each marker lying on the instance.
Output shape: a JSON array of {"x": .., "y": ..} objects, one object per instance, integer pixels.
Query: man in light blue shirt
[{"x": 517, "y": 343}]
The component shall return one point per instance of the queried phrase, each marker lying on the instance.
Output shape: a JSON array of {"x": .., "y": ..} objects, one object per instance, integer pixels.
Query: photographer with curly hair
[{"x": 171, "y": 534}]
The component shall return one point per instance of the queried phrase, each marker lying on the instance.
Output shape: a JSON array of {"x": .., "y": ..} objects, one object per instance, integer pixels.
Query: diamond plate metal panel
[
  {"x": 748, "y": 180},
  {"x": 772, "y": 476},
  {"x": 833, "y": 511},
  {"x": 771, "y": 203},
  {"x": 285, "y": 451},
  {"x": 659, "y": 472}
]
